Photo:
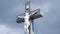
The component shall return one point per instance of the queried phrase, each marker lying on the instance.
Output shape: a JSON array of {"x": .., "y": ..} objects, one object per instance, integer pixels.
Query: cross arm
[
  {"x": 35, "y": 14},
  {"x": 20, "y": 18}
]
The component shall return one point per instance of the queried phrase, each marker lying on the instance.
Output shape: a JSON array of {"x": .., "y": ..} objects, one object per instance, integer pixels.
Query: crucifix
[{"x": 28, "y": 17}]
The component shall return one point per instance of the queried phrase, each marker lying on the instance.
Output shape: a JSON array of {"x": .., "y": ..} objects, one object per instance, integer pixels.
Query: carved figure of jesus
[{"x": 27, "y": 23}]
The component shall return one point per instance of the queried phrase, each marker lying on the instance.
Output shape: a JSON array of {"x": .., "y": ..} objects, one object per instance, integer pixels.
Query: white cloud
[{"x": 9, "y": 30}]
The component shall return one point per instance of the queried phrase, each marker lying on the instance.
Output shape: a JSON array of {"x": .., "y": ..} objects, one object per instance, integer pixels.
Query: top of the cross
[{"x": 27, "y": 7}]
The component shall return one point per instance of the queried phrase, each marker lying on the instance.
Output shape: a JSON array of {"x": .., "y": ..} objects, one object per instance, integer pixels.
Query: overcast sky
[{"x": 48, "y": 24}]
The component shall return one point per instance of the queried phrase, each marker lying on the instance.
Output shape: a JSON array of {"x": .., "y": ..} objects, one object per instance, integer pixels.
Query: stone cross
[{"x": 28, "y": 17}]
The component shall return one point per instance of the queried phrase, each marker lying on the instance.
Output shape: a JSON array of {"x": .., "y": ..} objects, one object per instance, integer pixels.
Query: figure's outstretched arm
[
  {"x": 33, "y": 13},
  {"x": 20, "y": 18}
]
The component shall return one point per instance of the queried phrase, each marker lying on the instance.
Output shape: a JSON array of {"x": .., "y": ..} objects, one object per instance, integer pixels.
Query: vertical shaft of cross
[
  {"x": 27, "y": 18},
  {"x": 31, "y": 25},
  {"x": 27, "y": 7},
  {"x": 27, "y": 24}
]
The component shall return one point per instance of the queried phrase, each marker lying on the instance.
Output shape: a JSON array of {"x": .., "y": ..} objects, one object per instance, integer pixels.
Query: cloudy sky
[{"x": 49, "y": 24}]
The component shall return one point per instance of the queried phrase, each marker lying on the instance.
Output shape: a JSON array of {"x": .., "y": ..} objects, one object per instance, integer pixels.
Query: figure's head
[{"x": 27, "y": 13}]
